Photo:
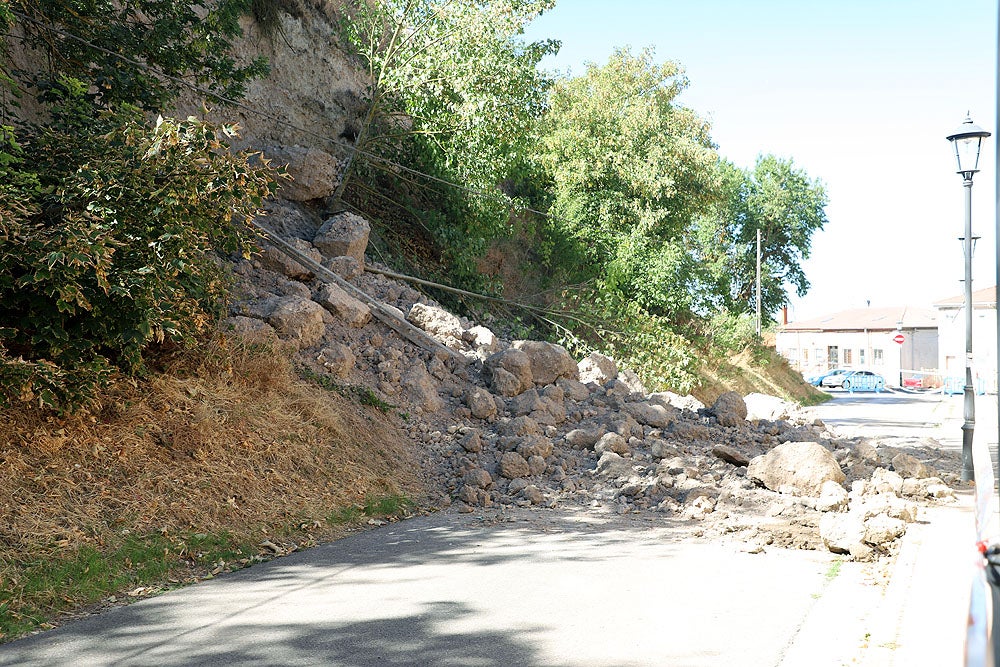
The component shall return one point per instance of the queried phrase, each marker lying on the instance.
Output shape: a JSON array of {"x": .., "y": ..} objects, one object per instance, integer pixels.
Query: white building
[
  {"x": 951, "y": 336},
  {"x": 897, "y": 343}
]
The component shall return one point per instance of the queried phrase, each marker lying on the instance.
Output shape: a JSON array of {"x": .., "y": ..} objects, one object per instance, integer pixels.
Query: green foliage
[
  {"x": 178, "y": 38},
  {"x": 41, "y": 587},
  {"x": 731, "y": 332},
  {"x": 787, "y": 207},
  {"x": 605, "y": 322},
  {"x": 455, "y": 94},
  {"x": 107, "y": 234},
  {"x": 630, "y": 169}
]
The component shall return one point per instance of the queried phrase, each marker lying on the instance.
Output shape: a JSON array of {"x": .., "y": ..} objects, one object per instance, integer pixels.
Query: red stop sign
[{"x": 898, "y": 338}]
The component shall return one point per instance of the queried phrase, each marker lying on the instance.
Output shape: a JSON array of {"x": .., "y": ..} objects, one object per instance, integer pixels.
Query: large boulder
[
  {"x": 299, "y": 320},
  {"x": 338, "y": 359},
  {"x": 796, "y": 467},
  {"x": 313, "y": 173},
  {"x": 597, "y": 368},
  {"x": 548, "y": 361},
  {"x": 343, "y": 305},
  {"x": 772, "y": 408},
  {"x": 422, "y": 388},
  {"x": 436, "y": 321},
  {"x": 517, "y": 375},
  {"x": 344, "y": 234},
  {"x": 651, "y": 414},
  {"x": 730, "y": 409}
]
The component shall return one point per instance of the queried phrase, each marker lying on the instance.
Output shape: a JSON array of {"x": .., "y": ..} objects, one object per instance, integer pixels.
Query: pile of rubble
[{"x": 521, "y": 423}]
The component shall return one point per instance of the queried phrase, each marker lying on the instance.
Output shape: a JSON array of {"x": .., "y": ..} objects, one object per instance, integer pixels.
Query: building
[
  {"x": 951, "y": 336},
  {"x": 898, "y": 343}
]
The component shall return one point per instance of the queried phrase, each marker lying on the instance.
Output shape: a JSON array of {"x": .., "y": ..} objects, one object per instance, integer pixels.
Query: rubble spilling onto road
[{"x": 515, "y": 423}]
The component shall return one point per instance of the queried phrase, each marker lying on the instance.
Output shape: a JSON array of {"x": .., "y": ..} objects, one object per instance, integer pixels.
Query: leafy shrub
[
  {"x": 107, "y": 233},
  {"x": 645, "y": 343}
]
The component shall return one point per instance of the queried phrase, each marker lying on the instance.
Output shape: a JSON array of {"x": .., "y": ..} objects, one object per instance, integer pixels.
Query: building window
[
  {"x": 832, "y": 356},
  {"x": 848, "y": 357},
  {"x": 877, "y": 357},
  {"x": 861, "y": 357},
  {"x": 805, "y": 356}
]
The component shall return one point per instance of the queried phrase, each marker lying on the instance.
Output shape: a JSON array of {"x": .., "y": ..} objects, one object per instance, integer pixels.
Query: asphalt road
[
  {"x": 536, "y": 588},
  {"x": 454, "y": 590}
]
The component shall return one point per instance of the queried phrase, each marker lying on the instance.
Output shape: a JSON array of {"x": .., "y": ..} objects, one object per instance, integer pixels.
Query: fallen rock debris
[{"x": 521, "y": 423}]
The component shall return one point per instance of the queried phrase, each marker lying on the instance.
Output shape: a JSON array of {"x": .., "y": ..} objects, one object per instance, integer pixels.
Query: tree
[
  {"x": 630, "y": 168},
  {"x": 455, "y": 94},
  {"x": 787, "y": 207}
]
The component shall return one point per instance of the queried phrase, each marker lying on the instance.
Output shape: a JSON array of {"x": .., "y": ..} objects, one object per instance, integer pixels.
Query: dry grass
[
  {"x": 222, "y": 441},
  {"x": 768, "y": 374}
]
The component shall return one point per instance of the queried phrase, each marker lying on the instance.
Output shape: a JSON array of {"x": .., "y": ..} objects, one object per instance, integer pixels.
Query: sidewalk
[{"x": 923, "y": 616}]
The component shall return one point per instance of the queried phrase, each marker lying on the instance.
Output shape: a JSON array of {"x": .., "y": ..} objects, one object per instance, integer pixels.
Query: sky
[{"x": 860, "y": 94}]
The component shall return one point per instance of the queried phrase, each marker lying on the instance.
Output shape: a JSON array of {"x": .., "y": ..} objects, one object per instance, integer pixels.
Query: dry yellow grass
[{"x": 225, "y": 439}]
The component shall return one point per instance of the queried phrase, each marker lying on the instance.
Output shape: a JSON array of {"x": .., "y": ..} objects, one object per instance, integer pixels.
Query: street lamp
[{"x": 967, "y": 141}]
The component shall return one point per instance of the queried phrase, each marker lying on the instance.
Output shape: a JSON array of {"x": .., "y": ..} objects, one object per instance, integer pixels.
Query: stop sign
[{"x": 898, "y": 338}]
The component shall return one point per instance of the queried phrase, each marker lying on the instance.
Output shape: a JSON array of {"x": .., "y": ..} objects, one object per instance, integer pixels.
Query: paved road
[
  {"x": 548, "y": 588},
  {"x": 448, "y": 590}
]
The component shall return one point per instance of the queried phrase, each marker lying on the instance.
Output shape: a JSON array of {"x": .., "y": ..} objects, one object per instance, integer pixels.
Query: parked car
[
  {"x": 816, "y": 380},
  {"x": 855, "y": 381}
]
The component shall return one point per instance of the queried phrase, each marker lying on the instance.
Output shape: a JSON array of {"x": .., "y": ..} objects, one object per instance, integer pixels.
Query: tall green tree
[
  {"x": 455, "y": 93},
  {"x": 788, "y": 207},
  {"x": 631, "y": 168}
]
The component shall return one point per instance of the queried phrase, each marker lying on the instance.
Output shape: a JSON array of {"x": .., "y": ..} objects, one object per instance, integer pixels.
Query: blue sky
[{"x": 859, "y": 94}]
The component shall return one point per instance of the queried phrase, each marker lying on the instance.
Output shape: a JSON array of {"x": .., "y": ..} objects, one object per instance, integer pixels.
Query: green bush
[{"x": 108, "y": 234}]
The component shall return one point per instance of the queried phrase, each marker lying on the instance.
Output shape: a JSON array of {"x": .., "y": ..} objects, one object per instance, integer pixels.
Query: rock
[
  {"x": 729, "y": 409},
  {"x": 274, "y": 259},
  {"x": 299, "y": 320},
  {"x": 796, "y": 466},
  {"x": 314, "y": 173},
  {"x": 346, "y": 267},
  {"x": 513, "y": 465},
  {"x": 670, "y": 399},
  {"x": 522, "y": 426},
  {"x": 479, "y": 478},
  {"x": 480, "y": 402},
  {"x": 343, "y": 305},
  {"x": 832, "y": 497},
  {"x": 526, "y": 403},
  {"x": 422, "y": 388},
  {"x": 772, "y": 408},
  {"x": 532, "y": 495},
  {"x": 611, "y": 442},
  {"x": 631, "y": 380},
  {"x": 731, "y": 455},
  {"x": 547, "y": 361},
  {"x": 344, "y": 234},
  {"x": 472, "y": 443},
  {"x": 505, "y": 383},
  {"x": 536, "y": 465},
  {"x": 246, "y": 327},
  {"x": 288, "y": 220},
  {"x": 841, "y": 532},
  {"x": 535, "y": 445},
  {"x": 482, "y": 340},
  {"x": 436, "y": 321},
  {"x": 885, "y": 481},
  {"x": 613, "y": 465},
  {"x": 338, "y": 359},
  {"x": 651, "y": 414},
  {"x": 516, "y": 363},
  {"x": 910, "y": 466},
  {"x": 661, "y": 449},
  {"x": 584, "y": 438},
  {"x": 573, "y": 389},
  {"x": 597, "y": 368},
  {"x": 882, "y": 529}
]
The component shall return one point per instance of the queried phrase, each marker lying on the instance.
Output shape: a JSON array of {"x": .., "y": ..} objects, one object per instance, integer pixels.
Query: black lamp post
[{"x": 967, "y": 141}]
